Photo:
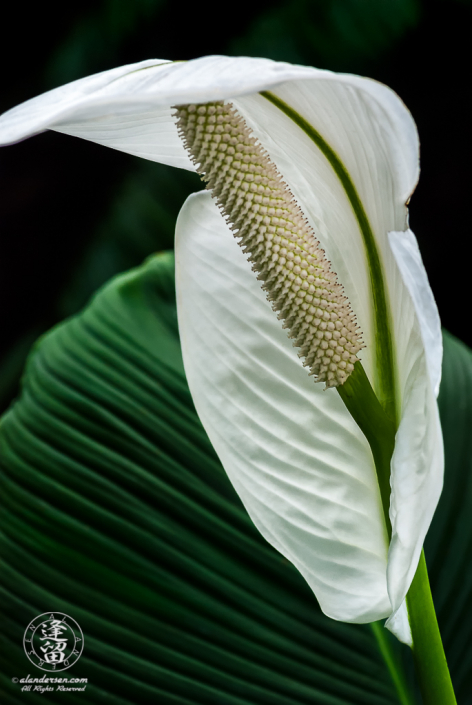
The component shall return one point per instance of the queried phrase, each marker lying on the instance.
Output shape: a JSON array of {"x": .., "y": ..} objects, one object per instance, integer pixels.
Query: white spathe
[{"x": 299, "y": 462}]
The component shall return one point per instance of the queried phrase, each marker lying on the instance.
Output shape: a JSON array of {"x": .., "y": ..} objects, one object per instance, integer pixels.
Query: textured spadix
[{"x": 263, "y": 214}]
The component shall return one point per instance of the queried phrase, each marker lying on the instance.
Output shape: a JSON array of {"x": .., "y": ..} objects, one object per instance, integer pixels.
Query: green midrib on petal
[{"x": 384, "y": 354}]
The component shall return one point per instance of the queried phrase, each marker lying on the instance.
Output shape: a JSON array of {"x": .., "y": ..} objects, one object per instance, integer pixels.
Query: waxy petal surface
[
  {"x": 408, "y": 257},
  {"x": 298, "y": 461},
  {"x": 418, "y": 459},
  {"x": 129, "y": 108}
]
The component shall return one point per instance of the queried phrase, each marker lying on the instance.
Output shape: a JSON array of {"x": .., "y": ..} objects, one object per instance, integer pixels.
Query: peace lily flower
[{"x": 313, "y": 171}]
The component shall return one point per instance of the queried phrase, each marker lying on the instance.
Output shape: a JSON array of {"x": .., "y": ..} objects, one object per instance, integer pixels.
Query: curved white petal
[
  {"x": 408, "y": 257},
  {"x": 296, "y": 458},
  {"x": 398, "y": 623},
  {"x": 418, "y": 459},
  {"x": 128, "y": 108},
  {"x": 375, "y": 138},
  {"x": 416, "y": 479}
]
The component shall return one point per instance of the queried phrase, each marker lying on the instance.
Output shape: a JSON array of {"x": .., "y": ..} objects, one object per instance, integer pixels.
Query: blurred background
[{"x": 73, "y": 213}]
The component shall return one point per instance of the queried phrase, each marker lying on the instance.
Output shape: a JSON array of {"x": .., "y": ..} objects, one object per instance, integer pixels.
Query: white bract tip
[{"x": 270, "y": 227}]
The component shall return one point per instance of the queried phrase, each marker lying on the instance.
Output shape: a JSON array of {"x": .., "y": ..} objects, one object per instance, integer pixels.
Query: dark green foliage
[
  {"x": 97, "y": 36},
  {"x": 117, "y": 512},
  {"x": 448, "y": 544},
  {"x": 140, "y": 220},
  {"x": 331, "y": 34}
]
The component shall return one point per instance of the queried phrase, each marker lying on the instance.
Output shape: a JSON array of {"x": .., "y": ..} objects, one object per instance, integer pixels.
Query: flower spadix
[
  {"x": 280, "y": 242},
  {"x": 336, "y": 157}
]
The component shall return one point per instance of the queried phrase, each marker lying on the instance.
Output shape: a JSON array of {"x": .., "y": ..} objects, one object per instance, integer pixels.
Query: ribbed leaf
[
  {"x": 117, "y": 512},
  {"x": 449, "y": 542}
]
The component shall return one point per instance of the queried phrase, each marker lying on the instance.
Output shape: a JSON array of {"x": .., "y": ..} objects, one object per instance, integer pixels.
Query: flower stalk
[
  {"x": 428, "y": 652},
  {"x": 366, "y": 410}
]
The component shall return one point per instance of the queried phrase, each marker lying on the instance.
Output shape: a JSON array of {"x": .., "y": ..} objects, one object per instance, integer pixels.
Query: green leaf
[
  {"x": 448, "y": 545},
  {"x": 117, "y": 512}
]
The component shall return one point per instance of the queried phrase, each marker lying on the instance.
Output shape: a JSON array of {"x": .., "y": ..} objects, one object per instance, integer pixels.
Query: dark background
[{"x": 73, "y": 213}]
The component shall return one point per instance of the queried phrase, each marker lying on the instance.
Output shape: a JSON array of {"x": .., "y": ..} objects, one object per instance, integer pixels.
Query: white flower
[{"x": 297, "y": 459}]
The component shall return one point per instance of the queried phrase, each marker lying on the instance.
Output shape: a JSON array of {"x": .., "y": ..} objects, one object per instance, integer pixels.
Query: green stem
[
  {"x": 377, "y": 427},
  {"x": 428, "y": 652},
  {"x": 382, "y": 637}
]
